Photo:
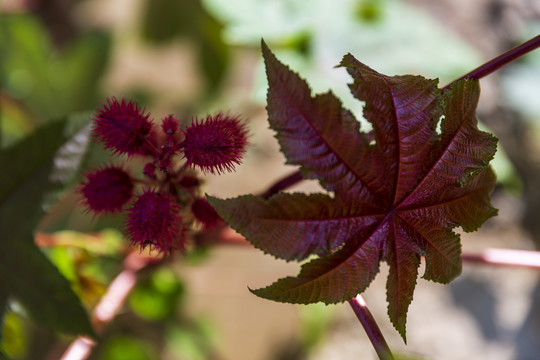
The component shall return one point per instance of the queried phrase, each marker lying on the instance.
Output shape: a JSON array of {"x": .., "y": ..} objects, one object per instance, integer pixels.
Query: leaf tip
[
  {"x": 266, "y": 52},
  {"x": 261, "y": 293},
  {"x": 218, "y": 203},
  {"x": 400, "y": 325},
  {"x": 264, "y": 46},
  {"x": 224, "y": 207},
  {"x": 346, "y": 60},
  {"x": 211, "y": 199}
]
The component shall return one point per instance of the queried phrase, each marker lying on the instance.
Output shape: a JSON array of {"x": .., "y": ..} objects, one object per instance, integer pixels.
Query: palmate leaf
[
  {"x": 37, "y": 169},
  {"x": 398, "y": 191}
]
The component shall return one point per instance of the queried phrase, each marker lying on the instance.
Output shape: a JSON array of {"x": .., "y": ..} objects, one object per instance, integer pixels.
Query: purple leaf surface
[{"x": 396, "y": 192}]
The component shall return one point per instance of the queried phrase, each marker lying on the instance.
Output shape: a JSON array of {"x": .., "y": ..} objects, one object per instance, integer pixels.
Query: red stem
[
  {"x": 110, "y": 304},
  {"x": 152, "y": 147},
  {"x": 282, "y": 184},
  {"x": 500, "y": 61},
  {"x": 505, "y": 257},
  {"x": 374, "y": 334}
]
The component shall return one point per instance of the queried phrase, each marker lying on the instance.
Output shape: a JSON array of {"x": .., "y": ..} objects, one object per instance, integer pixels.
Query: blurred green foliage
[
  {"x": 315, "y": 320},
  {"x": 167, "y": 20},
  {"x": 159, "y": 299},
  {"x": 41, "y": 82},
  {"x": 87, "y": 261},
  {"x": 14, "y": 338},
  {"x": 193, "y": 341},
  {"x": 158, "y": 296},
  {"x": 121, "y": 347},
  {"x": 388, "y": 35},
  {"x": 369, "y": 10}
]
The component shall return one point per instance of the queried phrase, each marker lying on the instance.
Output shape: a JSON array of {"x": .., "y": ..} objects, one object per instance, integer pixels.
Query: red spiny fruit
[
  {"x": 154, "y": 220},
  {"x": 215, "y": 144},
  {"x": 122, "y": 127},
  {"x": 205, "y": 213},
  {"x": 106, "y": 190},
  {"x": 170, "y": 125}
]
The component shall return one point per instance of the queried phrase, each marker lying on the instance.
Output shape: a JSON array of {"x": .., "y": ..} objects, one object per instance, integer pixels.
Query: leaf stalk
[
  {"x": 283, "y": 184},
  {"x": 373, "y": 331},
  {"x": 500, "y": 61},
  {"x": 505, "y": 257}
]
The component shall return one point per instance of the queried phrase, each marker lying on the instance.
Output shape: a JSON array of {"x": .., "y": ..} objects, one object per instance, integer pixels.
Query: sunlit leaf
[{"x": 397, "y": 191}]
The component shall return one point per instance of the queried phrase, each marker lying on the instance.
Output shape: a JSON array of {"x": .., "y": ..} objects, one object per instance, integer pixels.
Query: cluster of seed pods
[{"x": 162, "y": 205}]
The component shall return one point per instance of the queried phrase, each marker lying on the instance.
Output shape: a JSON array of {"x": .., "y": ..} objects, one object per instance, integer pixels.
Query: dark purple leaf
[{"x": 397, "y": 191}]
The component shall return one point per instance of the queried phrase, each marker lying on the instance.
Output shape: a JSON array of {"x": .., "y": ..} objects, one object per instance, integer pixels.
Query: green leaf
[{"x": 40, "y": 168}]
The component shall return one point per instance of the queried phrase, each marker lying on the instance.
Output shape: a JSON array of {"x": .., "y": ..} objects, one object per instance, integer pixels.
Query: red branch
[
  {"x": 501, "y": 60},
  {"x": 283, "y": 184},
  {"x": 110, "y": 304},
  {"x": 373, "y": 332},
  {"x": 505, "y": 257}
]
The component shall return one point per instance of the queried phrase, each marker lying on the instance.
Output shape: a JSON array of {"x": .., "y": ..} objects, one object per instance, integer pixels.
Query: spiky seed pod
[
  {"x": 215, "y": 144},
  {"x": 154, "y": 220},
  {"x": 106, "y": 190},
  {"x": 122, "y": 127}
]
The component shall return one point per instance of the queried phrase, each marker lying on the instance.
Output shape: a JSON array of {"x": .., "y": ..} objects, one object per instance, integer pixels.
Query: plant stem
[
  {"x": 500, "y": 61},
  {"x": 505, "y": 257},
  {"x": 375, "y": 335},
  {"x": 282, "y": 184},
  {"x": 110, "y": 304}
]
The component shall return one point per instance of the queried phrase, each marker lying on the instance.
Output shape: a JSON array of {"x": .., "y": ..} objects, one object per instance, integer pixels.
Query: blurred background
[{"x": 194, "y": 57}]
